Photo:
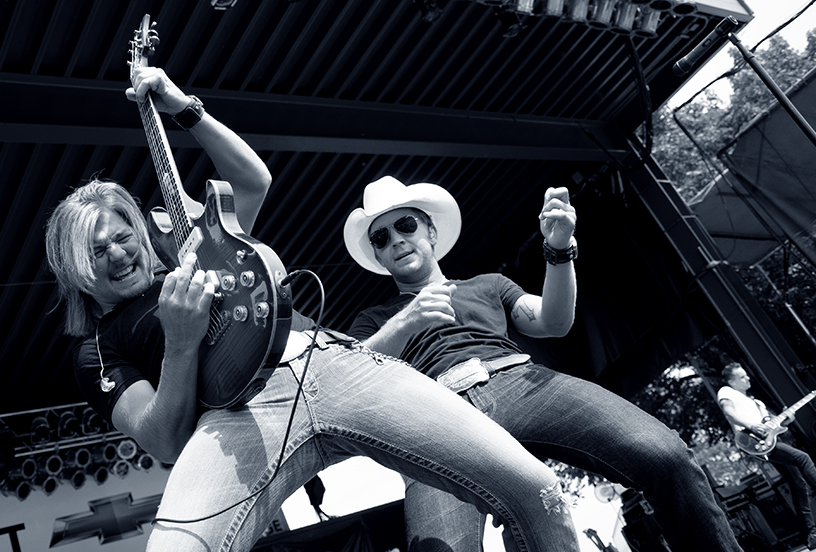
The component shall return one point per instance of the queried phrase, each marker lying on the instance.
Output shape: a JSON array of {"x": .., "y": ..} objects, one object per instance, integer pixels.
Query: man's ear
[{"x": 432, "y": 237}]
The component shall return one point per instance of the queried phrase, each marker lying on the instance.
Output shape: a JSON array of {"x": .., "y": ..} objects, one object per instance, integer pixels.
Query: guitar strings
[
  {"x": 166, "y": 171},
  {"x": 292, "y": 276}
]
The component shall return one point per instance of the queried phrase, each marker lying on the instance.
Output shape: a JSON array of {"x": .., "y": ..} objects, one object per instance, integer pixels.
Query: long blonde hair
[{"x": 69, "y": 246}]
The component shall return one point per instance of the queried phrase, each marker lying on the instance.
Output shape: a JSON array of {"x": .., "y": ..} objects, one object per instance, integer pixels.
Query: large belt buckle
[{"x": 464, "y": 375}]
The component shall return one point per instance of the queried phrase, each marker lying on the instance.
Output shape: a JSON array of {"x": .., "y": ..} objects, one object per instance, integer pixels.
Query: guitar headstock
[{"x": 144, "y": 42}]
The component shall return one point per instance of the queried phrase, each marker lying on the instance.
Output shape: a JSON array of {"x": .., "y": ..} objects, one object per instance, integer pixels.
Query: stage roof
[{"x": 491, "y": 103}]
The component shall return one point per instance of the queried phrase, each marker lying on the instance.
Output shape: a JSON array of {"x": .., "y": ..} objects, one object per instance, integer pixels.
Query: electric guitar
[
  {"x": 755, "y": 445},
  {"x": 251, "y": 313}
]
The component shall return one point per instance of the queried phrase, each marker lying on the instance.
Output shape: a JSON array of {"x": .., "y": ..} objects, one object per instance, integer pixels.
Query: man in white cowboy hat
[{"x": 456, "y": 331}]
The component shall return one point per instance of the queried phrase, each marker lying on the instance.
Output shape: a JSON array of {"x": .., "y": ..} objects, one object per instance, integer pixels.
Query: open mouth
[{"x": 124, "y": 273}]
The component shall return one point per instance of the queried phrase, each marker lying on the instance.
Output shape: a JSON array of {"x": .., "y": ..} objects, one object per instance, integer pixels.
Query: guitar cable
[{"x": 294, "y": 275}]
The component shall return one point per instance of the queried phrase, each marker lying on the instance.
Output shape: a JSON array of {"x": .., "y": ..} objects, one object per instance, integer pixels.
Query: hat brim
[{"x": 429, "y": 198}]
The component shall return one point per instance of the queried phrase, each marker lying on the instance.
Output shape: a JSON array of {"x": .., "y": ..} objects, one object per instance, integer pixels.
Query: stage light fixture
[
  {"x": 40, "y": 430},
  {"x": 68, "y": 426},
  {"x": 18, "y": 488},
  {"x": 126, "y": 449},
  {"x": 78, "y": 458},
  {"x": 624, "y": 21},
  {"x": 92, "y": 422},
  {"x": 99, "y": 474},
  {"x": 684, "y": 8},
  {"x": 52, "y": 464},
  {"x": 121, "y": 468},
  {"x": 661, "y": 5},
  {"x": 27, "y": 469},
  {"x": 525, "y": 6},
  {"x": 76, "y": 477},
  {"x": 104, "y": 453},
  {"x": 143, "y": 462},
  {"x": 577, "y": 10},
  {"x": 46, "y": 483},
  {"x": 601, "y": 14},
  {"x": 646, "y": 24},
  {"x": 554, "y": 8}
]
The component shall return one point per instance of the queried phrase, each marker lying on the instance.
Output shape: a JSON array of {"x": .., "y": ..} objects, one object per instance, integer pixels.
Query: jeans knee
[{"x": 552, "y": 496}]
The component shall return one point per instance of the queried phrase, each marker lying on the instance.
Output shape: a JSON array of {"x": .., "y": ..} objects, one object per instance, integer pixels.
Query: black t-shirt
[
  {"x": 482, "y": 305},
  {"x": 129, "y": 341}
]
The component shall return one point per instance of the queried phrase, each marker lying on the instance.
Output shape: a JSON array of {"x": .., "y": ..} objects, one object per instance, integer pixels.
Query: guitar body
[
  {"x": 755, "y": 445},
  {"x": 251, "y": 314}
]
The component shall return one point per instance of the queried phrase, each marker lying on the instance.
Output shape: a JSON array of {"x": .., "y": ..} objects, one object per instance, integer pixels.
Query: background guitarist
[
  {"x": 137, "y": 365},
  {"x": 796, "y": 466}
]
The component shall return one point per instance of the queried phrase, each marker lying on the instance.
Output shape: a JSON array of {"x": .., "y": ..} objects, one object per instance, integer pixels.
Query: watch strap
[
  {"x": 561, "y": 256},
  {"x": 190, "y": 115}
]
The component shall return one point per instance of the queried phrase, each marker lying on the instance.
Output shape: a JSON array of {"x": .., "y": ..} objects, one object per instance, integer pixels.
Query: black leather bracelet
[
  {"x": 188, "y": 117},
  {"x": 561, "y": 256}
]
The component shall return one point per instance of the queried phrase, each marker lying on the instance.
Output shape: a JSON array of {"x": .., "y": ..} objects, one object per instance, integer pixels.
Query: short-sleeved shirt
[
  {"x": 129, "y": 342},
  {"x": 747, "y": 407},
  {"x": 482, "y": 305}
]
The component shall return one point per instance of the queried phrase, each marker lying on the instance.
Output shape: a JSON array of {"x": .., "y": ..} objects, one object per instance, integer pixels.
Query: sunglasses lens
[
  {"x": 405, "y": 225},
  {"x": 379, "y": 238}
]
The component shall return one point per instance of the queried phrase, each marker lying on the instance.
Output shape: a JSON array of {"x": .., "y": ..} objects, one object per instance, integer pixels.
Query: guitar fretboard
[{"x": 166, "y": 170}]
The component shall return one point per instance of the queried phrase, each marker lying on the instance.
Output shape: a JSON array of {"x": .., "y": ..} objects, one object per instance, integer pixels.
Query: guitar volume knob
[
  {"x": 240, "y": 313},
  {"x": 228, "y": 282},
  {"x": 248, "y": 278},
  {"x": 262, "y": 309}
]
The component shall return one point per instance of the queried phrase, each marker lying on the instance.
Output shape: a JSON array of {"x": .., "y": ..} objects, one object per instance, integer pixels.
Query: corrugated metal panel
[{"x": 364, "y": 65}]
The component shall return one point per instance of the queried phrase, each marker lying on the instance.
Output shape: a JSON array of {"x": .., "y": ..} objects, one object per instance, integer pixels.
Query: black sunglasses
[{"x": 403, "y": 225}]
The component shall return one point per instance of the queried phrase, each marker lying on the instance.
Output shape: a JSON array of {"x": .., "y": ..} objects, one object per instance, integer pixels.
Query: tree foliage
[
  {"x": 688, "y": 151},
  {"x": 684, "y": 397}
]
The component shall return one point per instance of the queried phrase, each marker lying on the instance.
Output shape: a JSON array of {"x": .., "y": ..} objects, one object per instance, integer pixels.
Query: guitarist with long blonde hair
[{"x": 748, "y": 418}]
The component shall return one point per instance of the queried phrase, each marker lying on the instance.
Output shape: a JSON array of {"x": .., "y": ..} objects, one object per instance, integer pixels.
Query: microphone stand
[{"x": 797, "y": 117}]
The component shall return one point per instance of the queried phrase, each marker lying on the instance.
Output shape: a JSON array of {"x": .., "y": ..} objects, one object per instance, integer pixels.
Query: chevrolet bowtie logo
[{"x": 111, "y": 519}]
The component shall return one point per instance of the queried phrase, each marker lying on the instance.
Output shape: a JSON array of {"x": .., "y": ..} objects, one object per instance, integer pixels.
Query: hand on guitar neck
[{"x": 168, "y": 97}]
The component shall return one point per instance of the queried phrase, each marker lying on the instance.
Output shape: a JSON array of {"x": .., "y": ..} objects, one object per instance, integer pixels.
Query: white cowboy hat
[{"x": 387, "y": 194}]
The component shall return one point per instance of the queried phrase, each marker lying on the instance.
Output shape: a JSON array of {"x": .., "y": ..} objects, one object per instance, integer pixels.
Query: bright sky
[
  {"x": 359, "y": 483},
  {"x": 768, "y": 15}
]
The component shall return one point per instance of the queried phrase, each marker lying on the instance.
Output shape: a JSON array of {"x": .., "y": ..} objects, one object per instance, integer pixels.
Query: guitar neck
[
  {"x": 168, "y": 174},
  {"x": 794, "y": 407}
]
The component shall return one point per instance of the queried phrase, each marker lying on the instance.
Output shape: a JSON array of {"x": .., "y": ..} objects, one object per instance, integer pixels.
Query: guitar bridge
[{"x": 219, "y": 322}]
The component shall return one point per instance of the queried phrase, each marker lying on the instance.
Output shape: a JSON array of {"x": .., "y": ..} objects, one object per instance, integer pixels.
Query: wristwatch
[
  {"x": 190, "y": 115},
  {"x": 561, "y": 256}
]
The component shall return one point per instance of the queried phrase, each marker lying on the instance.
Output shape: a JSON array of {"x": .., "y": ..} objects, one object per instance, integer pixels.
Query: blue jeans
[
  {"x": 798, "y": 469},
  {"x": 353, "y": 403},
  {"x": 582, "y": 424}
]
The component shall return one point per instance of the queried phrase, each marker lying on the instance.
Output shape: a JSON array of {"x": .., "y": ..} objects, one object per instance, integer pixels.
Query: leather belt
[
  {"x": 463, "y": 376},
  {"x": 298, "y": 342}
]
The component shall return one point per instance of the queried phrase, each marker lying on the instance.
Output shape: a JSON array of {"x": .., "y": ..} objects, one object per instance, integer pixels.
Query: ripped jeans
[
  {"x": 353, "y": 403},
  {"x": 582, "y": 424}
]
